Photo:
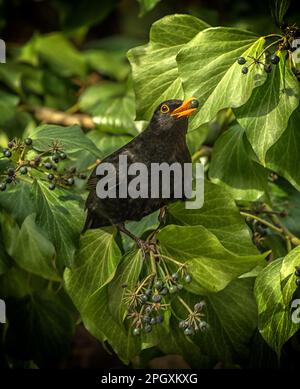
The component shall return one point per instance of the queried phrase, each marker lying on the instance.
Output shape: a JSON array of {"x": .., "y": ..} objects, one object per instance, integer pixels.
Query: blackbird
[{"x": 164, "y": 140}]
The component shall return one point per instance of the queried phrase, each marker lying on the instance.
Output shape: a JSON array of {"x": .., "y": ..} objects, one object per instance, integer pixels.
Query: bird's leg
[{"x": 143, "y": 245}]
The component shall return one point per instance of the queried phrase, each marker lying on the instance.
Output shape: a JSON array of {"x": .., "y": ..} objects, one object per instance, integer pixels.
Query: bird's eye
[{"x": 164, "y": 108}]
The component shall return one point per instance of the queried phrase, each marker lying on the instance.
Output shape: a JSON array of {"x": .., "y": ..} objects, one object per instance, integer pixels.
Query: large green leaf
[
  {"x": 210, "y": 72},
  {"x": 147, "y": 5},
  {"x": 283, "y": 156},
  {"x": 17, "y": 201},
  {"x": 33, "y": 251},
  {"x": 126, "y": 278},
  {"x": 61, "y": 218},
  {"x": 154, "y": 67},
  {"x": 266, "y": 114},
  {"x": 275, "y": 316},
  {"x": 40, "y": 328},
  {"x": 86, "y": 283},
  {"x": 71, "y": 138},
  {"x": 108, "y": 143},
  {"x": 212, "y": 266},
  {"x": 233, "y": 165},
  {"x": 232, "y": 318},
  {"x": 220, "y": 216}
]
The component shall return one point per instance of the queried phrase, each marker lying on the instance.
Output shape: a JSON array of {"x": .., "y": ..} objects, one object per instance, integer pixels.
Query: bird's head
[{"x": 172, "y": 114}]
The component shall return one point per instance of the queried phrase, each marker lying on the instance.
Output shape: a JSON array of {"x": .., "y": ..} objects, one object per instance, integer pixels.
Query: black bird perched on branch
[{"x": 164, "y": 140}]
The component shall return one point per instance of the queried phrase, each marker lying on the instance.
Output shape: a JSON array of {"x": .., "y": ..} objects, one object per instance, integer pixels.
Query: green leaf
[
  {"x": 17, "y": 201},
  {"x": 220, "y": 216},
  {"x": 60, "y": 54},
  {"x": 33, "y": 251},
  {"x": 126, "y": 277},
  {"x": 233, "y": 165},
  {"x": 61, "y": 218},
  {"x": 96, "y": 94},
  {"x": 108, "y": 143},
  {"x": 11, "y": 75},
  {"x": 232, "y": 318},
  {"x": 147, "y": 5},
  {"x": 86, "y": 283},
  {"x": 287, "y": 274},
  {"x": 266, "y": 114},
  {"x": 154, "y": 67},
  {"x": 72, "y": 139},
  {"x": 209, "y": 70},
  {"x": 283, "y": 155},
  {"x": 40, "y": 327},
  {"x": 213, "y": 267},
  {"x": 275, "y": 317},
  {"x": 4, "y": 258},
  {"x": 8, "y": 103}
]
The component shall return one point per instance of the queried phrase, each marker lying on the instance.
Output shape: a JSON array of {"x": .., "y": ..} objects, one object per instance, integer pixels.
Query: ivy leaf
[
  {"x": 220, "y": 216},
  {"x": 213, "y": 267},
  {"x": 72, "y": 139},
  {"x": 147, "y": 5},
  {"x": 266, "y": 114},
  {"x": 61, "y": 218},
  {"x": 275, "y": 317},
  {"x": 31, "y": 243},
  {"x": 231, "y": 320},
  {"x": 111, "y": 64},
  {"x": 283, "y": 155},
  {"x": 233, "y": 165},
  {"x": 154, "y": 67},
  {"x": 209, "y": 70},
  {"x": 86, "y": 283},
  {"x": 17, "y": 201},
  {"x": 125, "y": 279},
  {"x": 41, "y": 327},
  {"x": 108, "y": 143},
  {"x": 287, "y": 274}
]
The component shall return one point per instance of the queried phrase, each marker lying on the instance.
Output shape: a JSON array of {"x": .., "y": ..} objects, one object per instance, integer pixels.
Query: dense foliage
[{"x": 222, "y": 284}]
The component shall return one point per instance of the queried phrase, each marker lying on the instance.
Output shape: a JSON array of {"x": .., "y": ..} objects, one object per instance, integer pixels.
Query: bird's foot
[{"x": 146, "y": 246}]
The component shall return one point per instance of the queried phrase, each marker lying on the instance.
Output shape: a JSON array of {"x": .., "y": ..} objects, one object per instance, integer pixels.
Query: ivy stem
[
  {"x": 294, "y": 239},
  {"x": 262, "y": 221},
  {"x": 273, "y": 35},
  {"x": 268, "y": 47},
  {"x": 168, "y": 259},
  {"x": 185, "y": 305}
]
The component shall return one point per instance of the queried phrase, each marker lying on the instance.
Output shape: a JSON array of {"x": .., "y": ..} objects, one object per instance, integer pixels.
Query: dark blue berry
[
  {"x": 48, "y": 165},
  {"x": 245, "y": 70},
  {"x": 268, "y": 68},
  {"x": 62, "y": 155},
  {"x": 148, "y": 328},
  {"x": 10, "y": 145},
  {"x": 37, "y": 159},
  {"x": 158, "y": 285},
  {"x": 199, "y": 306},
  {"x": 146, "y": 319},
  {"x": 164, "y": 291},
  {"x": 55, "y": 158},
  {"x": 189, "y": 331},
  {"x": 188, "y": 278},
  {"x": 28, "y": 141},
  {"x": 297, "y": 271},
  {"x": 148, "y": 292},
  {"x": 298, "y": 281},
  {"x": 175, "y": 276},
  {"x": 70, "y": 181},
  {"x": 7, "y": 153},
  {"x": 143, "y": 298},
  {"x": 203, "y": 326},
  {"x": 159, "y": 319},
  {"x": 8, "y": 180},
  {"x": 136, "y": 331},
  {"x": 182, "y": 324},
  {"x": 274, "y": 59},
  {"x": 23, "y": 170},
  {"x": 241, "y": 61},
  {"x": 82, "y": 176},
  {"x": 2, "y": 186},
  {"x": 179, "y": 286},
  {"x": 153, "y": 321},
  {"x": 194, "y": 104},
  {"x": 156, "y": 298},
  {"x": 148, "y": 310},
  {"x": 50, "y": 176},
  {"x": 11, "y": 172},
  {"x": 51, "y": 186}
]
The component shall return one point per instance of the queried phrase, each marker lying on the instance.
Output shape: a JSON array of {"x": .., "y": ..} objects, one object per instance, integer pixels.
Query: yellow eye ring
[{"x": 164, "y": 108}]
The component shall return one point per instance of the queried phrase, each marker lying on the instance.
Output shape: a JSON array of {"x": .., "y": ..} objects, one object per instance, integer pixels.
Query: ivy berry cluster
[
  {"x": 23, "y": 162},
  {"x": 274, "y": 60},
  {"x": 147, "y": 302}
]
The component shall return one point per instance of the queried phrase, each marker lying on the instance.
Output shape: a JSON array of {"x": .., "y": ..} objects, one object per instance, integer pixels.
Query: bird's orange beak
[{"x": 184, "y": 109}]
